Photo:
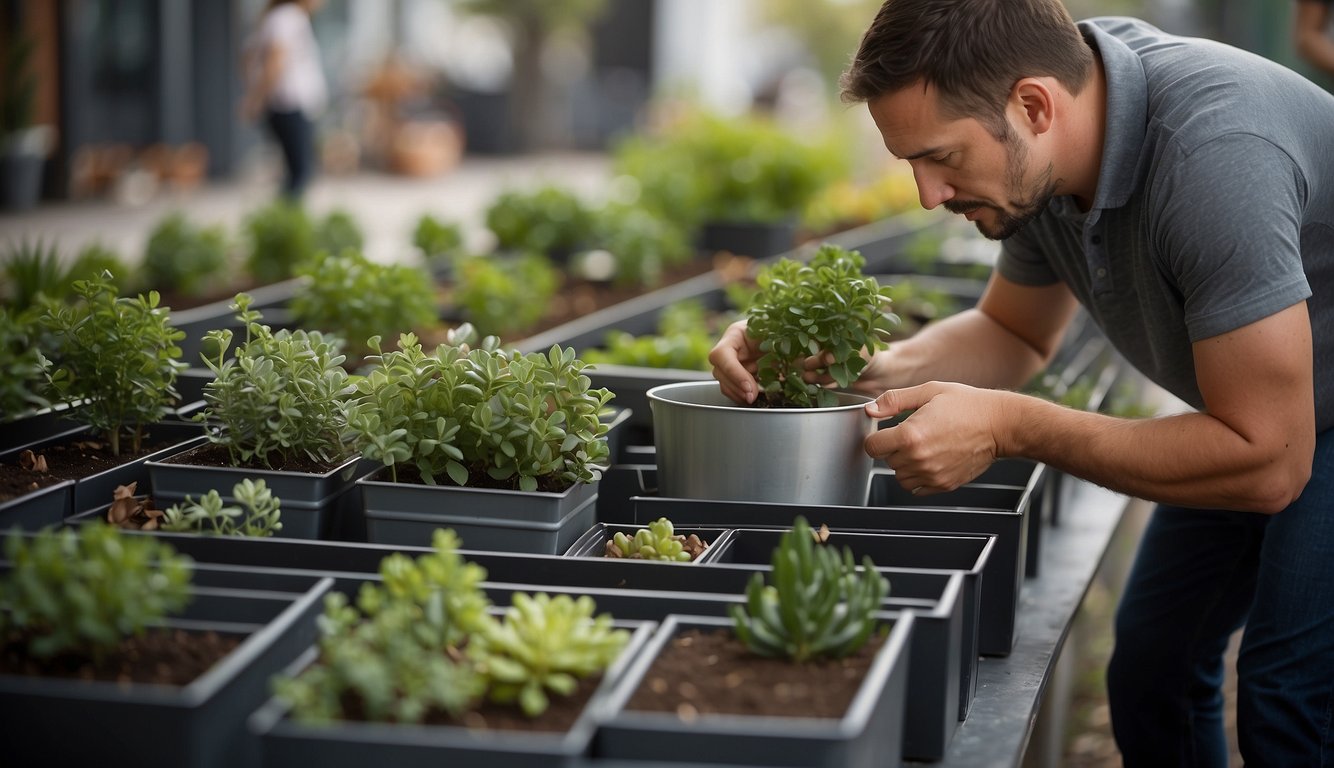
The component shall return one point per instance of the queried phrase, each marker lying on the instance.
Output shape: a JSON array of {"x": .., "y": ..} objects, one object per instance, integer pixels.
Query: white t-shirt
[{"x": 300, "y": 84}]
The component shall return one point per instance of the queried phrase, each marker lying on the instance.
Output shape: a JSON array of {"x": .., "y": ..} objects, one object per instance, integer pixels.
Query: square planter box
[
  {"x": 484, "y": 518},
  {"x": 199, "y": 725},
  {"x": 309, "y": 502},
  {"x": 288, "y": 743},
  {"x": 999, "y": 510},
  {"x": 593, "y": 542},
  {"x": 870, "y": 734}
]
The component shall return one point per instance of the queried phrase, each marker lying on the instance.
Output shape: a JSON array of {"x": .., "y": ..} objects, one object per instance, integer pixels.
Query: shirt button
[{"x": 1102, "y": 272}]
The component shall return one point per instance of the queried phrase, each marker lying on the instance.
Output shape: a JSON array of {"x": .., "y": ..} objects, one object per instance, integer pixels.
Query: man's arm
[
  {"x": 1249, "y": 450},
  {"x": 1007, "y": 339},
  {"x": 1308, "y": 34}
]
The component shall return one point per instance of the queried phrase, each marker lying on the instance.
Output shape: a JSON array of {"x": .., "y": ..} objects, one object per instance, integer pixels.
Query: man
[
  {"x": 1311, "y": 36},
  {"x": 1183, "y": 192}
]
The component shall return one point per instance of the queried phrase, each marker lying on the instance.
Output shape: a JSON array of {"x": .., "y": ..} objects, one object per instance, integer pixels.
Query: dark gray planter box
[
  {"x": 593, "y": 542},
  {"x": 37, "y": 428},
  {"x": 309, "y": 502},
  {"x": 200, "y": 725},
  {"x": 756, "y": 239},
  {"x": 95, "y": 491},
  {"x": 38, "y": 509},
  {"x": 287, "y": 743},
  {"x": 870, "y": 734},
  {"x": 484, "y": 518},
  {"x": 999, "y": 510}
]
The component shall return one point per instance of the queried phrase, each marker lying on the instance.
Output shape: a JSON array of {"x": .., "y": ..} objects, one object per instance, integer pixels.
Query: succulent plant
[
  {"x": 805, "y": 309},
  {"x": 84, "y": 590},
  {"x": 279, "y": 397},
  {"x": 819, "y": 605},
  {"x": 543, "y": 644},
  {"x": 260, "y": 517},
  {"x": 656, "y": 541}
]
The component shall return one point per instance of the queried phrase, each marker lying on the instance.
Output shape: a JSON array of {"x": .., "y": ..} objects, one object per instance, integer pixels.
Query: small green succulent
[
  {"x": 260, "y": 517},
  {"x": 656, "y": 541},
  {"x": 819, "y": 605},
  {"x": 543, "y": 644},
  {"x": 83, "y": 590},
  {"x": 806, "y": 309}
]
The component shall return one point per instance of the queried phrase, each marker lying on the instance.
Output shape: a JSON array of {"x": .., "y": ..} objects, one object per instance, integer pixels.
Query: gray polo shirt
[{"x": 1214, "y": 206}]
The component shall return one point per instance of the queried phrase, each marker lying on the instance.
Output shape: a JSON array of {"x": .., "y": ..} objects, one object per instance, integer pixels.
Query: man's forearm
[{"x": 1191, "y": 459}]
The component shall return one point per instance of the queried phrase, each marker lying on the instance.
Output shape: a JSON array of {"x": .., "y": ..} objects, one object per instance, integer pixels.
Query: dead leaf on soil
[{"x": 35, "y": 462}]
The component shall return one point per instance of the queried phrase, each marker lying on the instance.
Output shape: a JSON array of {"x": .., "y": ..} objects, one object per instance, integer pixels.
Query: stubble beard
[{"x": 1021, "y": 208}]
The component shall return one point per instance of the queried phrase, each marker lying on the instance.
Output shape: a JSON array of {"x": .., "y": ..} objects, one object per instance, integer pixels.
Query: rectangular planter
[
  {"x": 309, "y": 502},
  {"x": 38, "y": 509},
  {"x": 756, "y": 239},
  {"x": 36, "y": 428},
  {"x": 95, "y": 491},
  {"x": 484, "y": 518},
  {"x": 288, "y": 743},
  {"x": 870, "y": 734},
  {"x": 1000, "y": 510},
  {"x": 200, "y": 725},
  {"x": 593, "y": 542}
]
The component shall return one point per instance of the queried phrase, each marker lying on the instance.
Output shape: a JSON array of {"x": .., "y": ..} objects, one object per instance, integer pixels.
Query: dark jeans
[
  {"x": 1201, "y": 574},
  {"x": 296, "y": 136}
]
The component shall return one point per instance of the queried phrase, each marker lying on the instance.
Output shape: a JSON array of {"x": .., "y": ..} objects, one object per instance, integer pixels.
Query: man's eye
[{"x": 942, "y": 158}]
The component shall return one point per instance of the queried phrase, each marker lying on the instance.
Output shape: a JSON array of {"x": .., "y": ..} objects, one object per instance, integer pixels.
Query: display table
[{"x": 1010, "y": 690}]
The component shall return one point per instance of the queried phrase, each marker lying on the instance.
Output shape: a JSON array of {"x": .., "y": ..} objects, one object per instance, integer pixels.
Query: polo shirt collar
[{"x": 1127, "y": 110}]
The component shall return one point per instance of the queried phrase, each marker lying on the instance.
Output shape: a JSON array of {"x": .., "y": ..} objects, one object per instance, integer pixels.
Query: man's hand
[
  {"x": 950, "y": 439},
  {"x": 735, "y": 359}
]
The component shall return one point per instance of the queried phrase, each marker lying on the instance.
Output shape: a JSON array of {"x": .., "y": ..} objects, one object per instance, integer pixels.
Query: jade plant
[
  {"x": 83, "y": 590},
  {"x": 356, "y": 298},
  {"x": 823, "y": 307},
  {"x": 422, "y": 642},
  {"x": 117, "y": 356},
  {"x": 656, "y": 541},
  {"x": 257, "y": 514},
  {"x": 478, "y": 414},
  {"x": 818, "y": 606},
  {"x": 279, "y": 398}
]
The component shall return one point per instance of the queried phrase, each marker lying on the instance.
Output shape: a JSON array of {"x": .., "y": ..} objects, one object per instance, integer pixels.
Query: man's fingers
[{"x": 892, "y": 402}]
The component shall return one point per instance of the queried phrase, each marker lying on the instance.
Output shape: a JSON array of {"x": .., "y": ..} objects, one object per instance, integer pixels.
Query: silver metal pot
[{"x": 711, "y": 448}]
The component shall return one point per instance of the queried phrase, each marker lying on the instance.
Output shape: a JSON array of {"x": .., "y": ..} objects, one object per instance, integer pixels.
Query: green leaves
[
  {"x": 281, "y": 395},
  {"x": 83, "y": 590},
  {"x": 803, "y": 310},
  {"x": 260, "y": 516},
  {"x": 183, "y": 257},
  {"x": 118, "y": 355},
  {"x": 465, "y": 414},
  {"x": 657, "y": 541},
  {"x": 818, "y": 606}
]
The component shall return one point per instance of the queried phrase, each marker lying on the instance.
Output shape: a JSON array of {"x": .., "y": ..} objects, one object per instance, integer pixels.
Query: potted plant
[
  {"x": 549, "y": 220},
  {"x": 257, "y": 512},
  {"x": 185, "y": 260},
  {"x": 504, "y": 448},
  {"x": 278, "y": 406},
  {"x": 704, "y": 441},
  {"x": 421, "y": 671},
  {"x": 105, "y": 630},
  {"x": 740, "y": 692},
  {"x": 659, "y": 541},
  {"x": 505, "y": 295},
  {"x": 113, "y": 369}
]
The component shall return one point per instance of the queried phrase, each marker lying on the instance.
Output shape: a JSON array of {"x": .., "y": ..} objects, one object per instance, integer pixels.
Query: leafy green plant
[
  {"x": 338, "y": 232},
  {"x": 480, "y": 415},
  {"x": 33, "y": 269},
  {"x": 356, "y": 298},
  {"x": 118, "y": 356},
  {"x": 258, "y": 514},
  {"x": 683, "y": 341},
  {"x": 20, "y": 368},
  {"x": 642, "y": 244},
  {"x": 440, "y": 243},
  {"x": 543, "y": 644},
  {"x": 182, "y": 257},
  {"x": 281, "y": 238},
  {"x": 279, "y": 397},
  {"x": 819, "y": 605},
  {"x": 83, "y": 590},
  {"x": 94, "y": 259},
  {"x": 506, "y": 295},
  {"x": 804, "y": 309},
  {"x": 656, "y": 541},
  {"x": 549, "y": 220}
]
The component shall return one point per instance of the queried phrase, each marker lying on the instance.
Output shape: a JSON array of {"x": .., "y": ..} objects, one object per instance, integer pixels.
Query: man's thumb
[{"x": 892, "y": 402}]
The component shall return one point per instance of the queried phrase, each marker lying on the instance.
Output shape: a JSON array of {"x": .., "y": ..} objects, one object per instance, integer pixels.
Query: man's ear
[{"x": 1034, "y": 104}]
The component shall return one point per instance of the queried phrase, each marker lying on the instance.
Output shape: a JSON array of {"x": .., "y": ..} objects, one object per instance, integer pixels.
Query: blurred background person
[{"x": 286, "y": 86}]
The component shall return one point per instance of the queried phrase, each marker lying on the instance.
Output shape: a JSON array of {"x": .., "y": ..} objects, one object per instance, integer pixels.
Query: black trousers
[{"x": 296, "y": 137}]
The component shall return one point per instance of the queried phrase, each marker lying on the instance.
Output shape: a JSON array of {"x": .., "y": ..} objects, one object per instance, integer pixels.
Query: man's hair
[{"x": 972, "y": 51}]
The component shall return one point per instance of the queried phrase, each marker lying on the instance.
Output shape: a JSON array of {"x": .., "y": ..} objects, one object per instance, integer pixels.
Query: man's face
[{"x": 959, "y": 164}]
